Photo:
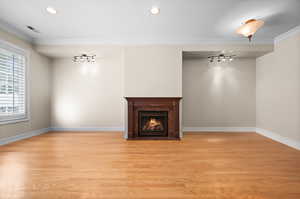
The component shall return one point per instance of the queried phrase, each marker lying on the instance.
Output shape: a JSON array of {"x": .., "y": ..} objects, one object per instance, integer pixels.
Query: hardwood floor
[{"x": 103, "y": 165}]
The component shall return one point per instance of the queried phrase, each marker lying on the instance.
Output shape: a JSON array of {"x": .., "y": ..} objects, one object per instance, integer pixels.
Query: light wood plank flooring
[{"x": 94, "y": 165}]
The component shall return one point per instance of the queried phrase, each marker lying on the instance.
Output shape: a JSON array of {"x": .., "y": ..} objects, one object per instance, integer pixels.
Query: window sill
[{"x": 13, "y": 121}]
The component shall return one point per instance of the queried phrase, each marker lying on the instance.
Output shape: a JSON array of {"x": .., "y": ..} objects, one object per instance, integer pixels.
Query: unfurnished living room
[{"x": 149, "y": 99}]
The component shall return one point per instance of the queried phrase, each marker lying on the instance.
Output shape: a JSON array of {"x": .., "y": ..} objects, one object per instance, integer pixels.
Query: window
[{"x": 13, "y": 98}]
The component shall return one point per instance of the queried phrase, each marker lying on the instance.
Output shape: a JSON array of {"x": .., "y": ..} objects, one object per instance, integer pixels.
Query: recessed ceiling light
[
  {"x": 51, "y": 10},
  {"x": 154, "y": 10}
]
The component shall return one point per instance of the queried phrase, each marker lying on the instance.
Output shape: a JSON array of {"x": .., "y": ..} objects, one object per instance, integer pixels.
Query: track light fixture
[
  {"x": 85, "y": 58},
  {"x": 221, "y": 58}
]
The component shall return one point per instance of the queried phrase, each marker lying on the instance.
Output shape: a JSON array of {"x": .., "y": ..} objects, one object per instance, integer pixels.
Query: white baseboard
[
  {"x": 22, "y": 136},
  {"x": 221, "y": 129},
  {"x": 266, "y": 133},
  {"x": 87, "y": 129},
  {"x": 278, "y": 138}
]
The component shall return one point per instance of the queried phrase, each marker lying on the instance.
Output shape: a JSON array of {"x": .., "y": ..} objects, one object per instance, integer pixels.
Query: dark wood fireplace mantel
[{"x": 167, "y": 107}]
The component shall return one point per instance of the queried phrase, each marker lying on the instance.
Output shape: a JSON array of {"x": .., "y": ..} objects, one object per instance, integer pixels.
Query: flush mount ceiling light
[
  {"x": 221, "y": 58},
  {"x": 249, "y": 28},
  {"x": 84, "y": 58},
  {"x": 155, "y": 10},
  {"x": 51, "y": 10}
]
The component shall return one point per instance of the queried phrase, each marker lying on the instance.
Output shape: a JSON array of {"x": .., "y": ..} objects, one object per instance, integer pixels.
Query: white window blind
[{"x": 12, "y": 84}]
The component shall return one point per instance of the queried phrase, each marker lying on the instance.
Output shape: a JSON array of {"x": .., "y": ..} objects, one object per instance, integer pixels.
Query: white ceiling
[{"x": 129, "y": 21}]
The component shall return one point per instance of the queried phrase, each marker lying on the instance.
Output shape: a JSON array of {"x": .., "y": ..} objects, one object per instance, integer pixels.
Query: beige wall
[
  {"x": 83, "y": 99},
  {"x": 278, "y": 89},
  {"x": 40, "y": 81},
  {"x": 152, "y": 71},
  {"x": 218, "y": 95},
  {"x": 93, "y": 96},
  {"x": 88, "y": 95}
]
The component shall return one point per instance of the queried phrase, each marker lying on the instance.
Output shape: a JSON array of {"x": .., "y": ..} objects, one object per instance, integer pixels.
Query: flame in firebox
[{"x": 153, "y": 125}]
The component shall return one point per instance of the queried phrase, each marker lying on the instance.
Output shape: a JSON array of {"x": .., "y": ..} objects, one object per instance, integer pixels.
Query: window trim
[{"x": 22, "y": 117}]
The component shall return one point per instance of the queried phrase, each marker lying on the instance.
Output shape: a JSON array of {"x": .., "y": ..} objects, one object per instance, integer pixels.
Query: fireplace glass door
[{"x": 153, "y": 123}]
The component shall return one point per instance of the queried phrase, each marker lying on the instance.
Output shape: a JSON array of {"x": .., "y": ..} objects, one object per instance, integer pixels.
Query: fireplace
[
  {"x": 153, "y": 118},
  {"x": 153, "y": 123}
]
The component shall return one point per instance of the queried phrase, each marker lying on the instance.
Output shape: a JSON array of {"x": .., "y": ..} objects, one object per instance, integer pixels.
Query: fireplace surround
[{"x": 153, "y": 118}]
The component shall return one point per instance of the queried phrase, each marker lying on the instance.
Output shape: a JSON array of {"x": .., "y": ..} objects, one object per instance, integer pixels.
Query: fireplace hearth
[{"x": 153, "y": 118}]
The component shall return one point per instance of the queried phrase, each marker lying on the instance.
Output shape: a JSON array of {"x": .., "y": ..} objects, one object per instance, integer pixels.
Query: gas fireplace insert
[{"x": 153, "y": 118}]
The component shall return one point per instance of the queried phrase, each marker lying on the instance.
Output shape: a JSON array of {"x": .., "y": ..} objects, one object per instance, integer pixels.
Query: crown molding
[
  {"x": 287, "y": 34},
  {"x": 127, "y": 41},
  {"x": 133, "y": 41},
  {"x": 18, "y": 33}
]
